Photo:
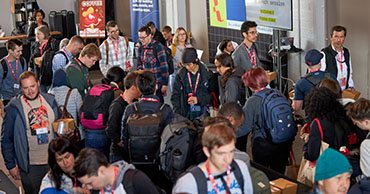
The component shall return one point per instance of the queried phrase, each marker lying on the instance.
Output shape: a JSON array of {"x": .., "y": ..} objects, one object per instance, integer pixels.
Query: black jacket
[
  {"x": 234, "y": 90},
  {"x": 179, "y": 98},
  {"x": 45, "y": 73}
]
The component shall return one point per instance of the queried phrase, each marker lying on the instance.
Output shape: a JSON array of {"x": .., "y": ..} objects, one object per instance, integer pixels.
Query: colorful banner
[
  {"x": 92, "y": 18},
  {"x": 142, "y": 12},
  {"x": 227, "y": 14}
]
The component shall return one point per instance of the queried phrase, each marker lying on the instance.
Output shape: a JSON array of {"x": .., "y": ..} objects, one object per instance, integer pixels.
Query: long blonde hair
[{"x": 175, "y": 40}]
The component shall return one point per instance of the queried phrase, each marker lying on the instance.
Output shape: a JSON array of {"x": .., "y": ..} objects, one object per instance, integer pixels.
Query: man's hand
[
  {"x": 1, "y": 108},
  {"x": 164, "y": 90},
  {"x": 14, "y": 172},
  {"x": 193, "y": 100}
]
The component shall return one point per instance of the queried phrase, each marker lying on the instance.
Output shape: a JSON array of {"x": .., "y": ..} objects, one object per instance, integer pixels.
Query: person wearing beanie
[
  {"x": 310, "y": 80},
  {"x": 333, "y": 172},
  {"x": 190, "y": 95}
]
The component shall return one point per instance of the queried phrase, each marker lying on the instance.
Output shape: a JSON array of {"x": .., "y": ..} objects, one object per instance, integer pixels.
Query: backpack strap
[
  {"x": 106, "y": 49},
  {"x": 238, "y": 175},
  {"x": 320, "y": 129},
  {"x": 5, "y": 68},
  {"x": 64, "y": 111},
  {"x": 200, "y": 179},
  {"x": 127, "y": 181}
]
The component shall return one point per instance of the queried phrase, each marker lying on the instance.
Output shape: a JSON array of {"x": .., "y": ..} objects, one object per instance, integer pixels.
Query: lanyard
[
  {"x": 212, "y": 178},
  {"x": 260, "y": 89},
  {"x": 340, "y": 60},
  {"x": 313, "y": 70},
  {"x": 83, "y": 67},
  {"x": 196, "y": 83},
  {"x": 150, "y": 99},
  {"x": 123, "y": 97},
  {"x": 253, "y": 58},
  {"x": 65, "y": 50},
  {"x": 145, "y": 51},
  {"x": 42, "y": 48},
  {"x": 34, "y": 112},
  {"x": 115, "y": 48},
  {"x": 11, "y": 68},
  {"x": 115, "y": 177}
]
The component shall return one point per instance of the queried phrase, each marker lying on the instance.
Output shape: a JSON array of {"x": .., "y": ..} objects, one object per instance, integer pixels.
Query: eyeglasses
[
  {"x": 142, "y": 38},
  {"x": 182, "y": 34},
  {"x": 253, "y": 32}
]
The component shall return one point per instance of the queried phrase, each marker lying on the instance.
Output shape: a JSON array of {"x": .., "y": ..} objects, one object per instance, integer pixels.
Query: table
[
  {"x": 273, "y": 175},
  {"x": 7, "y": 185},
  {"x": 23, "y": 36}
]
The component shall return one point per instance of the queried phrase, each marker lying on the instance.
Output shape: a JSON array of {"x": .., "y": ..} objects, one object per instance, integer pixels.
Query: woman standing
[
  {"x": 264, "y": 151},
  {"x": 179, "y": 43},
  {"x": 39, "y": 17},
  {"x": 41, "y": 57},
  {"x": 232, "y": 89}
]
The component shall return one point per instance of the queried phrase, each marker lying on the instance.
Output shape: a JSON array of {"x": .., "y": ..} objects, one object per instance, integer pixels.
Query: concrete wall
[
  {"x": 354, "y": 16},
  {"x": 197, "y": 25}
]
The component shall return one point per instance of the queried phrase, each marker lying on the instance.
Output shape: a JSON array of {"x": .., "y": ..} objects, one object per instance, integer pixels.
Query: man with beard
[{"x": 27, "y": 131}]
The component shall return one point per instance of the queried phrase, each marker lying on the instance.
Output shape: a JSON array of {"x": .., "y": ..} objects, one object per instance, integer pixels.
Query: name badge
[
  {"x": 42, "y": 135},
  {"x": 16, "y": 86}
]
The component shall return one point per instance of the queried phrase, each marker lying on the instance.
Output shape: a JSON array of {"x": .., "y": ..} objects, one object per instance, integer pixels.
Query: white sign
[{"x": 270, "y": 13}]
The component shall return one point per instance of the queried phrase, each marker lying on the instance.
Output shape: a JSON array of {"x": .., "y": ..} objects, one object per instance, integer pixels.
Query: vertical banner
[
  {"x": 142, "y": 12},
  {"x": 92, "y": 18}
]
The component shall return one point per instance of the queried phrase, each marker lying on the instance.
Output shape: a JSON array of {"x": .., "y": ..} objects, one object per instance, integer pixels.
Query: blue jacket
[{"x": 14, "y": 142}]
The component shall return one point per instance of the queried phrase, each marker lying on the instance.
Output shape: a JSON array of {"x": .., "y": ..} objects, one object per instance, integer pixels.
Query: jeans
[
  {"x": 171, "y": 80},
  {"x": 98, "y": 139}
]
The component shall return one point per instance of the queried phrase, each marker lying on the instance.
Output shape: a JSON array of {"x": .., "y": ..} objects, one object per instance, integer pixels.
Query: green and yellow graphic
[{"x": 217, "y": 13}]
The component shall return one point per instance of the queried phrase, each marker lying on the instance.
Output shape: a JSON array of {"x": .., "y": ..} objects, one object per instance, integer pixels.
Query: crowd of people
[{"x": 121, "y": 153}]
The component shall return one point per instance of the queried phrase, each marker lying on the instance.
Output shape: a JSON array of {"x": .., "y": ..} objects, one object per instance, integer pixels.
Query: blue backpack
[{"x": 279, "y": 124}]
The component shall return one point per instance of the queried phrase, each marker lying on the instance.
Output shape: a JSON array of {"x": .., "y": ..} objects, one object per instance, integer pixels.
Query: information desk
[
  {"x": 7, "y": 185},
  {"x": 273, "y": 175},
  {"x": 23, "y": 36}
]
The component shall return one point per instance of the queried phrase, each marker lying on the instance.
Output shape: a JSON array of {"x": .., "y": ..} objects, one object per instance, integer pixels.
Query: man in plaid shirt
[
  {"x": 147, "y": 60},
  {"x": 118, "y": 52}
]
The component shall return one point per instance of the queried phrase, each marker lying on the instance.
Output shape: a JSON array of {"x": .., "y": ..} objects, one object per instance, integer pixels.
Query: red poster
[{"x": 92, "y": 18}]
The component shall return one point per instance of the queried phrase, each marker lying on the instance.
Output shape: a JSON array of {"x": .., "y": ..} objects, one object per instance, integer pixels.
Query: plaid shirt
[
  {"x": 158, "y": 64},
  {"x": 124, "y": 54},
  {"x": 59, "y": 60}
]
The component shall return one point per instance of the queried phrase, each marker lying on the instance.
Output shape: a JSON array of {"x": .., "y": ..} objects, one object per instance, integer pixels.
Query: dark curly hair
[
  {"x": 225, "y": 60},
  {"x": 321, "y": 102}
]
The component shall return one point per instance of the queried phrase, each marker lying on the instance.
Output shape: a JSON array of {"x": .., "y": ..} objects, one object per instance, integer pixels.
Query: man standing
[
  {"x": 68, "y": 52},
  {"x": 167, "y": 34},
  {"x": 11, "y": 67},
  {"x": 116, "y": 109},
  {"x": 27, "y": 131},
  {"x": 76, "y": 71},
  {"x": 245, "y": 55},
  {"x": 157, "y": 35},
  {"x": 337, "y": 59},
  {"x": 115, "y": 50},
  {"x": 152, "y": 56},
  {"x": 94, "y": 172},
  {"x": 312, "y": 79},
  {"x": 220, "y": 170}
]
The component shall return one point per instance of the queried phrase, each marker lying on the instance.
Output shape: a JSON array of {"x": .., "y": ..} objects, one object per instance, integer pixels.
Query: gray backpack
[{"x": 176, "y": 147}]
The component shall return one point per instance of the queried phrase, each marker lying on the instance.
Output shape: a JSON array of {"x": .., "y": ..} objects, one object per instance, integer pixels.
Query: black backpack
[
  {"x": 94, "y": 111},
  {"x": 5, "y": 66},
  {"x": 176, "y": 147},
  {"x": 316, "y": 81},
  {"x": 168, "y": 57},
  {"x": 46, "y": 71},
  {"x": 144, "y": 134},
  {"x": 201, "y": 179}
]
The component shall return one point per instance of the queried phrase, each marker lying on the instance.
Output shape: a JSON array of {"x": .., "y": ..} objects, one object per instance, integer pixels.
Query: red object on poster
[{"x": 92, "y": 18}]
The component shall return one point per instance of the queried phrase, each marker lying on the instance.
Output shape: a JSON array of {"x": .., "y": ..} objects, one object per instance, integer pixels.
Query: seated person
[
  {"x": 62, "y": 154},
  {"x": 332, "y": 177}
]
